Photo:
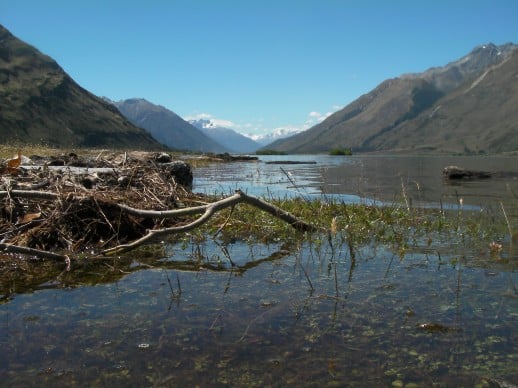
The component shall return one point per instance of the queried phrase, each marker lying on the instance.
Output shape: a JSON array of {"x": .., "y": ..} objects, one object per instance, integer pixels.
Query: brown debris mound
[{"x": 75, "y": 203}]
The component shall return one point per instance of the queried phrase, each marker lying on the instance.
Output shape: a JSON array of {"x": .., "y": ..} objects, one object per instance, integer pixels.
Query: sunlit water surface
[{"x": 313, "y": 317}]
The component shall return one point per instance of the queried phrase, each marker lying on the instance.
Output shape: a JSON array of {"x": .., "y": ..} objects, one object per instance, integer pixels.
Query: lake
[
  {"x": 443, "y": 315},
  {"x": 365, "y": 179}
]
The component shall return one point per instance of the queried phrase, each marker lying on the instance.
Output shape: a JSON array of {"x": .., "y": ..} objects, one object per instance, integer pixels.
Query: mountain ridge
[
  {"x": 230, "y": 139},
  {"x": 369, "y": 123},
  {"x": 465, "y": 106},
  {"x": 41, "y": 104},
  {"x": 166, "y": 126}
]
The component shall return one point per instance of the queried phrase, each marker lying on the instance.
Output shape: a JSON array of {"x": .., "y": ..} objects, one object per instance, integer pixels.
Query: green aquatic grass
[
  {"x": 345, "y": 230},
  {"x": 356, "y": 225}
]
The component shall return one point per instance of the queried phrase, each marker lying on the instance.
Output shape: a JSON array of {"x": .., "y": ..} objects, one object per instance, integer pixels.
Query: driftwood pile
[{"x": 67, "y": 206}]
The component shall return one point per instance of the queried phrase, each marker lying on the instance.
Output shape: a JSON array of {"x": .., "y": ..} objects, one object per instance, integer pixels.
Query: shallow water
[
  {"x": 444, "y": 315},
  {"x": 367, "y": 179},
  {"x": 358, "y": 326}
]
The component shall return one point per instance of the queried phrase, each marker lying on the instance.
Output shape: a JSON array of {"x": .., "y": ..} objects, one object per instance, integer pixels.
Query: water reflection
[
  {"x": 305, "y": 318},
  {"x": 276, "y": 315},
  {"x": 416, "y": 180}
]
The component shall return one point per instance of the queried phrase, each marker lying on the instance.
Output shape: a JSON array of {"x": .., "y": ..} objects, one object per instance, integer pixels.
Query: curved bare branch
[
  {"x": 209, "y": 211},
  {"x": 29, "y": 194}
]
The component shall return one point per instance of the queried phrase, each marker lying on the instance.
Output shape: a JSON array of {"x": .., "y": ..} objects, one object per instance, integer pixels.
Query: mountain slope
[
  {"x": 375, "y": 121},
  {"x": 479, "y": 116},
  {"x": 166, "y": 126},
  {"x": 230, "y": 139},
  {"x": 41, "y": 104}
]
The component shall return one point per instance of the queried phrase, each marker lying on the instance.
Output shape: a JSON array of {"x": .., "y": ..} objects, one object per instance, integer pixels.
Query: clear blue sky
[{"x": 260, "y": 65}]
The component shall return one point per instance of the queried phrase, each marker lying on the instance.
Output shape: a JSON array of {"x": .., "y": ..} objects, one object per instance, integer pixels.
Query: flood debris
[
  {"x": 65, "y": 206},
  {"x": 291, "y": 162},
  {"x": 458, "y": 173}
]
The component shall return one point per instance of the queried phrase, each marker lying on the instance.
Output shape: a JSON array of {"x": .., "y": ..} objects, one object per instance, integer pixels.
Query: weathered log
[
  {"x": 11, "y": 248},
  {"x": 208, "y": 211},
  {"x": 291, "y": 162},
  {"x": 29, "y": 194},
  {"x": 456, "y": 173}
]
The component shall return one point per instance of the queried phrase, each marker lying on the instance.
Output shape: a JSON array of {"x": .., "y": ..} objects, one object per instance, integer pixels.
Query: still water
[
  {"x": 313, "y": 317},
  {"x": 365, "y": 179}
]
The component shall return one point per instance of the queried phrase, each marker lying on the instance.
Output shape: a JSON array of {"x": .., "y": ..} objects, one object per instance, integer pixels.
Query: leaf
[
  {"x": 28, "y": 218},
  {"x": 15, "y": 163}
]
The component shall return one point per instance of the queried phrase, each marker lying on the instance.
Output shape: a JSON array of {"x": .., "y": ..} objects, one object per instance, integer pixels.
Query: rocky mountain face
[
  {"x": 230, "y": 139},
  {"x": 167, "y": 127},
  {"x": 41, "y": 104},
  {"x": 463, "y": 107}
]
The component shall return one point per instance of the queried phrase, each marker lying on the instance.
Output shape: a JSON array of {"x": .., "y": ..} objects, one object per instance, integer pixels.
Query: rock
[
  {"x": 163, "y": 158},
  {"x": 456, "y": 173},
  {"x": 180, "y": 171},
  {"x": 235, "y": 158},
  {"x": 433, "y": 327}
]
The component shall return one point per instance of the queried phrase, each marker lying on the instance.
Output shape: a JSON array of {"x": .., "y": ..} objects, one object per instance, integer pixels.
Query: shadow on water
[{"x": 306, "y": 314}]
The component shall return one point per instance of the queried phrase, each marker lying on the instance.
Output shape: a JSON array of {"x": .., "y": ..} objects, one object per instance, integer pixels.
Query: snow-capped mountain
[
  {"x": 279, "y": 133},
  {"x": 166, "y": 126},
  {"x": 227, "y": 137}
]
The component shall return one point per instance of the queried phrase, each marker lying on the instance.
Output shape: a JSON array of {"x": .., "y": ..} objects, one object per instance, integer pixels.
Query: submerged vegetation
[
  {"x": 368, "y": 294},
  {"x": 357, "y": 225},
  {"x": 141, "y": 200},
  {"x": 346, "y": 228}
]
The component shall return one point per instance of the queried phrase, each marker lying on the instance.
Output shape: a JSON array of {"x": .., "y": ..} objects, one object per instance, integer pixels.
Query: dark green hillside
[{"x": 41, "y": 104}]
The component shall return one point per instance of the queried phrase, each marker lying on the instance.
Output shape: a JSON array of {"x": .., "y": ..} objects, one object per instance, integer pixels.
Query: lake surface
[
  {"x": 365, "y": 179},
  {"x": 443, "y": 315}
]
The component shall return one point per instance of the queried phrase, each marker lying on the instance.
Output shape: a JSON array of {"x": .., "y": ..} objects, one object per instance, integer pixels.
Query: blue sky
[{"x": 255, "y": 66}]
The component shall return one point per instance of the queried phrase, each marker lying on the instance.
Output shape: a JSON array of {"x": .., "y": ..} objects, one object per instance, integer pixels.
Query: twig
[
  {"x": 10, "y": 248},
  {"x": 290, "y": 178},
  {"x": 507, "y": 221},
  {"x": 178, "y": 282},
  {"x": 208, "y": 211},
  {"x": 225, "y": 223},
  {"x": 307, "y": 277},
  {"x": 29, "y": 194}
]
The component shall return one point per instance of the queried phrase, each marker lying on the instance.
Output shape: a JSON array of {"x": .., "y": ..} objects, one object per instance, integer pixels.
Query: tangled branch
[
  {"x": 76, "y": 203},
  {"x": 208, "y": 211}
]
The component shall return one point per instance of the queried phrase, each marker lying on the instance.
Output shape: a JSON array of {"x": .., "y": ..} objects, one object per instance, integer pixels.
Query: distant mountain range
[
  {"x": 40, "y": 104},
  {"x": 230, "y": 139},
  {"x": 167, "y": 127},
  {"x": 277, "y": 134},
  {"x": 468, "y": 106}
]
